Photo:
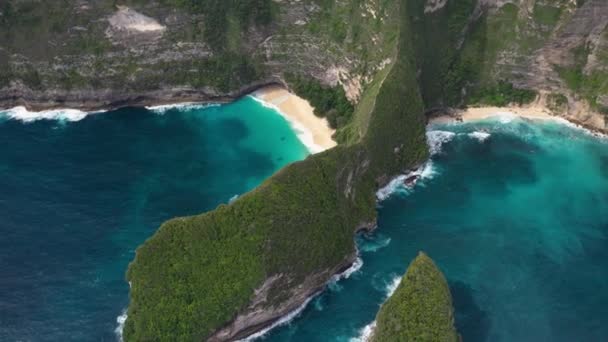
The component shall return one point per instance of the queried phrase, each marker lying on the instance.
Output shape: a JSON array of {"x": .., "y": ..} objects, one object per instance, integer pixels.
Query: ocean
[
  {"x": 513, "y": 212},
  {"x": 79, "y": 193},
  {"x": 515, "y": 215}
]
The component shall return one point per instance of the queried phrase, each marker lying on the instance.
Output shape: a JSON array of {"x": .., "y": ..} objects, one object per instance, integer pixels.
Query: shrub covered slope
[{"x": 420, "y": 309}]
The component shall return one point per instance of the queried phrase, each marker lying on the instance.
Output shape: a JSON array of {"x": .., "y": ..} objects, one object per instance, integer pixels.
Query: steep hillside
[
  {"x": 372, "y": 67},
  {"x": 497, "y": 52},
  {"x": 420, "y": 309},
  {"x": 228, "y": 273}
]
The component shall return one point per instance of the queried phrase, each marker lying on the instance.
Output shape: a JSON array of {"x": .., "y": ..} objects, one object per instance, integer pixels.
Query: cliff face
[
  {"x": 99, "y": 54},
  {"x": 230, "y": 272},
  {"x": 557, "y": 48}
]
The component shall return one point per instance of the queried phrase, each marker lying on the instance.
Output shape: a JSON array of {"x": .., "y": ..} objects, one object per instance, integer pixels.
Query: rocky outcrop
[{"x": 93, "y": 54}]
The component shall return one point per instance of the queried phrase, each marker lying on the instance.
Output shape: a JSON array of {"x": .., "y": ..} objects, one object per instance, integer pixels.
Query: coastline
[
  {"x": 533, "y": 112},
  {"x": 313, "y": 131},
  {"x": 482, "y": 113}
]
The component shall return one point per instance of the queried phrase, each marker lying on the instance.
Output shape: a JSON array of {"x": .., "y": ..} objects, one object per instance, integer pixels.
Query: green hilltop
[
  {"x": 373, "y": 68},
  {"x": 420, "y": 309}
]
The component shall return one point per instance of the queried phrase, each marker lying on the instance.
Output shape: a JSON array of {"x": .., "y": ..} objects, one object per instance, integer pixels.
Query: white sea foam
[
  {"x": 163, "y": 109},
  {"x": 22, "y": 114},
  {"x": 435, "y": 139},
  {"x": 121, "y": 324},
  {"x": 356, "y": 266},
  {"x": 233, "y": 199},
  {"x": 392, "y": 286},
  {"x": 480, "y": 136},
  {"x": 283, "y": 321},
  {"x": 397, "y": 185},
  {"x": 365, "y": 334},
  {"x": 303, "y": 134}
]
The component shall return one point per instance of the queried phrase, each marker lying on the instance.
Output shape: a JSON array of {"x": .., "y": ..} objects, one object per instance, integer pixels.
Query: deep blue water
[
  {"x": 77, "y": 198},
  {"x": 517, "y": 222}
]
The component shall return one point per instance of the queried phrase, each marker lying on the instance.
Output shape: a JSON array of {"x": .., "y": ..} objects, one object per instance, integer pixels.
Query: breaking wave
[
  {"x": 356, "y": 266},
  {"x": 365, "y": 333},
  {"x": 283, "y": 321},
  {"x": 121, "y": 324},
  {"x": 480, "y": 136},
  {"x": 398, "y": 184},
  {"x": 22, "y": 114},
  {"x": 435, "y": 139},
  {"x": 163, "y": 109},
  {"x": 392, "y": 286}
]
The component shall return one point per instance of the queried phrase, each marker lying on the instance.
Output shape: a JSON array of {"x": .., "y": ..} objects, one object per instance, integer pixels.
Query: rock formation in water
[
  {"x": 372, "y": 67},
  {"x": 420, "y": 309}
]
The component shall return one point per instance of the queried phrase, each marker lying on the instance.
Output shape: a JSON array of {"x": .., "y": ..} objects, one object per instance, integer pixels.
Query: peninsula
[{"x": 371, "y": 70}]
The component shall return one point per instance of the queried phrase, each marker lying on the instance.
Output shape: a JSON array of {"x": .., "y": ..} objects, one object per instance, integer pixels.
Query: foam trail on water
[
  {"x": 365, "y": 334},
  {"x": 121, "y": 324},
  {"x": 435, "y": 139},
  {"x": 22, "y": 114},
  {"x": 303, "y": 134},
  {"x": 354, "y": 268},
  {"x": 375, "y": 245},
  {"x": 425, "y": 172},
  {"x": 392, "y": 286},
  {"x": 480, "y": 136},
  {"x": 162, "y": 109}
]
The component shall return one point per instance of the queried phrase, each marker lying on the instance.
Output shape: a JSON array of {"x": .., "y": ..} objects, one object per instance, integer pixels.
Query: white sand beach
[
  {"x": 314, "y": 132},
  {"x": 480, "y": 113}
]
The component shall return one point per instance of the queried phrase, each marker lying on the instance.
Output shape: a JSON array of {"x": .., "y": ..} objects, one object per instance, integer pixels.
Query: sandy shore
[
  {"x": 480, "y": 113},
  {"x": 313, "y": 131}
]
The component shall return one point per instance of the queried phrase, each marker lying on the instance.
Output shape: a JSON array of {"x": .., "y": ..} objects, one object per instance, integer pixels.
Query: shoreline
[
  {"x": 472, "y": 114},
  {"x": 534, "y": 113},
  {"x": 314, "y": 132}
]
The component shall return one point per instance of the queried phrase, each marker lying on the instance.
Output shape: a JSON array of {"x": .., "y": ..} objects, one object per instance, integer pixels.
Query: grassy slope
[
  {"x": 196, "y": 273},
  {"x": 420, "y": 309}
]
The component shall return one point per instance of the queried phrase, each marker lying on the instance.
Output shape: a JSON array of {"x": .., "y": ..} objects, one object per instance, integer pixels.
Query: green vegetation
[
  {"x": 590, "y": 85},
  {"x": 547, "y": 15},
  {"x": 557, "y": 102},
  {"x": 420, "y": 309},
  {"x": 196, "y": 273},
  {"x": 329, "y": 102},
  {"x": 221, "y": 15},
  {"x": 502, "y": 94}
]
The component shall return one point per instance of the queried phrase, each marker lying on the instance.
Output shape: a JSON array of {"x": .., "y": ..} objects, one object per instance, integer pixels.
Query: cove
[
  {"x": 78, "y": 195},
  {"x": 514, "y": 213}
]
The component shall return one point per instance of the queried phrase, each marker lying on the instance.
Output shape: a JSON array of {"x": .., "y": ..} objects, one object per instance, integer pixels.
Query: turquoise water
[
  {"x": 77, "y": 198},
  {"x": 514, "y": 213},
  {"x": 518, "y": 222}
]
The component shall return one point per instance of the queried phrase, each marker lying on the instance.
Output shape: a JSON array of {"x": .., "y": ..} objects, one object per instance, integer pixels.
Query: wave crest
[
  {"x": 435, "y": 139},
  {"x": 163, "y": 109},
  {"x": 22, "y": 114},
  {"x": 120, "y": 320},
  {"x": 480, "y": 136}
]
